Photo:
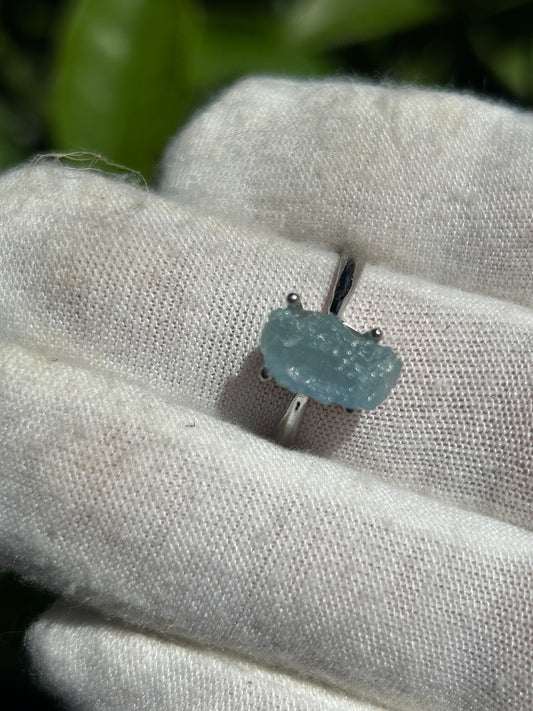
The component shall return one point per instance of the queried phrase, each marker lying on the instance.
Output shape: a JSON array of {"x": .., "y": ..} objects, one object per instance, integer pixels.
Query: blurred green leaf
[
  {"x": 124, "y": 78},
  {"x": 510, "y": 62},
  {"x": 485, "y": 8},
  {"x": 234, "y": 46},
  {"x": 505, "y": 49},
  {"x": 330, "y": 23},
  {"x": 428, "y": 65},
  {"x": 11, "y": 150}
]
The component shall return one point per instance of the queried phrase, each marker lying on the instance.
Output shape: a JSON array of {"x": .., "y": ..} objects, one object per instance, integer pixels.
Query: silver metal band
[{"x": 340, "y": 292}]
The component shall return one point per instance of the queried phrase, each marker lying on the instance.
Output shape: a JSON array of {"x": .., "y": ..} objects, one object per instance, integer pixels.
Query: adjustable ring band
[{"x": 317, "y": 356}]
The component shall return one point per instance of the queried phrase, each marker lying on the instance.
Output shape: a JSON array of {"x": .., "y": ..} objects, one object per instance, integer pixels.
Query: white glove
[{"x": 203, "y": 566}]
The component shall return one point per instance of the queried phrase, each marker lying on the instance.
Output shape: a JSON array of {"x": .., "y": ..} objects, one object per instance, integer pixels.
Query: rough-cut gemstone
[{"x": 316, "y": 354}]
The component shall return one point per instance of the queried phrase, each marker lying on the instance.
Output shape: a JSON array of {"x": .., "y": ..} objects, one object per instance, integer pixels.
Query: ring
[{"x": 315, "y": 355}]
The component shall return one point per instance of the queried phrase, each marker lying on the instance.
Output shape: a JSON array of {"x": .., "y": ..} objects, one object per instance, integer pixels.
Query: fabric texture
[
  {"x": 387, "y": 561},
  {"x": 140, "y": 671},
  {"x": 430, "y": 183}
]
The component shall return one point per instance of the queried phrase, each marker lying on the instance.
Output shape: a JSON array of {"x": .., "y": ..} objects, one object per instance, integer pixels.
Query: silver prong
[
  {"x": 293, "y": 298},
  {"x": 375, "y": 334},
  {"x": 264, "y": 374}
]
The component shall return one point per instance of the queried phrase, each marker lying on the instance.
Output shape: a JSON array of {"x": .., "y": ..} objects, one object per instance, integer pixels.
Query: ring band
[{"x": 317, "y": 356}]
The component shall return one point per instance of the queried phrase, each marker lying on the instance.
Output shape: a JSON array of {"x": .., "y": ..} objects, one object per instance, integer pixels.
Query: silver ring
[{"x": 317, "y": 353}]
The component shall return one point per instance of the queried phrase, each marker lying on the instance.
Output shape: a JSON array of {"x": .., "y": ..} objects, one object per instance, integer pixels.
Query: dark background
[{"x": 88, "y": 76}]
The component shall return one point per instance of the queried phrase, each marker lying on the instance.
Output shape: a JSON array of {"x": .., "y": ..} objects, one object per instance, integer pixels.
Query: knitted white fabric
[
  {"x": 391, "y": 563},
  {"x": 140, "y": 671},
  {"x": 434, "y": 184}
]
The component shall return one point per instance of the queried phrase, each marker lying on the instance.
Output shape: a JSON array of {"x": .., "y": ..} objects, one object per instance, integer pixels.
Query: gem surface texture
[{"x": 316, "y": 354}]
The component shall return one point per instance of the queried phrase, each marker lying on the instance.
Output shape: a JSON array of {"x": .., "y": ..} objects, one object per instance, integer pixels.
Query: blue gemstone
[{"x": 316, "y": 354}]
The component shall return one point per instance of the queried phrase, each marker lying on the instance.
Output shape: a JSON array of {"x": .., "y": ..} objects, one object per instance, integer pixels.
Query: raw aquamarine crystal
[{"x": 318, "y": 355}]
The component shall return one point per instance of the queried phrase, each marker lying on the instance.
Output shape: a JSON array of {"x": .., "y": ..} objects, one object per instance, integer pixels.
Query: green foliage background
[{"x": 118, "y": 77}]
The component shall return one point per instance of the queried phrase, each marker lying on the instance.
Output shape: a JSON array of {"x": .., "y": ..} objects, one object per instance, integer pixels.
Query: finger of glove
[
  {"x": 91, "y": 664},
  {"x": 124, "y": 282},
  {"x": 430, "y": 183},
  {"x": 175, "y": 521}
]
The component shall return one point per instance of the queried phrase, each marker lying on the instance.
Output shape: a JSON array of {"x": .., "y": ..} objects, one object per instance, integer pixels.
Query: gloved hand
[{"x": 385, "y": 562}]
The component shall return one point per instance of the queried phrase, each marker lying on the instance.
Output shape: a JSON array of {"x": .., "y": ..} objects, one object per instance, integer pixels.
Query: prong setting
[
  {"x": 362, "y": 370},
  {"x": 264, "y": 374},
  {"x": 376, "y": 334}
]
